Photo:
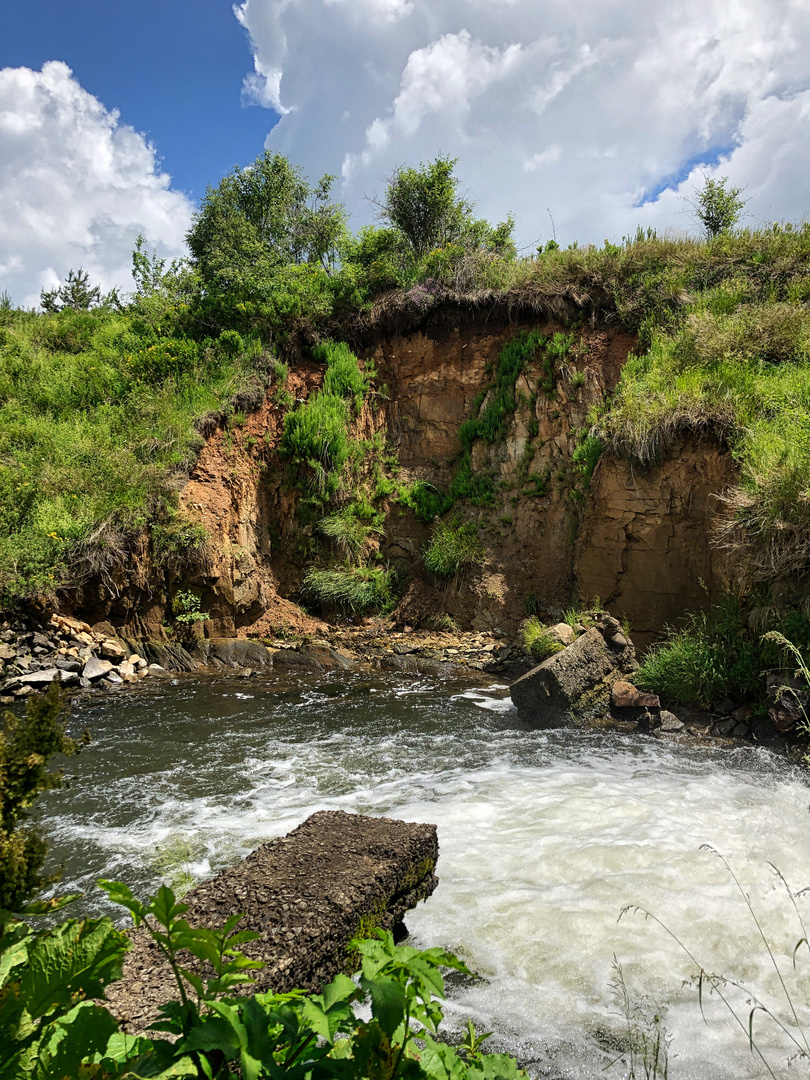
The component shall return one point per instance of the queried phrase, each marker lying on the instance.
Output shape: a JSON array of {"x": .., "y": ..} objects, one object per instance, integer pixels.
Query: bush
[
  {"x": 317, "y": 432},
  {"x": 357, "y": 589},
  {"x": 453, "y": 547},
  {"x": 345, "y": 530},
  {"x": 425, "y": 500},
  {"x": 343, "y": 376}
]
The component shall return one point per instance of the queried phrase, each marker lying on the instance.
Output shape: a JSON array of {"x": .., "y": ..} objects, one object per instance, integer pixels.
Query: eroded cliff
[{"x": 550, "y": 533}]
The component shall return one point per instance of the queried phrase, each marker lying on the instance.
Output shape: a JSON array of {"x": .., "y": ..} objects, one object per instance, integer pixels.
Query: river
[{"x": 544, "y": 838}]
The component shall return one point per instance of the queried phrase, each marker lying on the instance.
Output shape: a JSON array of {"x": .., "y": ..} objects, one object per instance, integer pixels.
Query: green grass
[
  {"x": 90, "y": 439},
  {"x": 538, "y": 641},
  {"x": 720, "y": 654},
  {"x": 353, "y": 589},
  {"x": 453, "y": 547}
]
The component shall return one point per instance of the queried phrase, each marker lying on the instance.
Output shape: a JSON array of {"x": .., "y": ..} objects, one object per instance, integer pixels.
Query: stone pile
[{"x": 67, "y": 651}]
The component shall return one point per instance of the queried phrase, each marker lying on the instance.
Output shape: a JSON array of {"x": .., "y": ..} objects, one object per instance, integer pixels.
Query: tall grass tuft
[
  {"x": 453, "y": 547},
  {"x": 352, "y": 589}
]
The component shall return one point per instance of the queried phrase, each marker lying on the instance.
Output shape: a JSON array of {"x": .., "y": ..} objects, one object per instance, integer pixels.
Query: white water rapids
[{"x": 544, "y": 838}]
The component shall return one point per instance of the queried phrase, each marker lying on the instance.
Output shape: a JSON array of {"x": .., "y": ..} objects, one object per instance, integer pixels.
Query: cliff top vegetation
[{"x": 102, "y": 400}]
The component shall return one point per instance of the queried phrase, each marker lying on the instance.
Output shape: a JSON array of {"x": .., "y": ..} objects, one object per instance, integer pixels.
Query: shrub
[
  {"x": 425, "y": 500},
  {"x": 354, "y": 589},
  {"x": 453, "y": 547},
  {"x": 343, "y": 376},
  {"x": 317, "y": 432},
  {"x": 538, "y": 640},
  {"x": 345, "y": 530}
]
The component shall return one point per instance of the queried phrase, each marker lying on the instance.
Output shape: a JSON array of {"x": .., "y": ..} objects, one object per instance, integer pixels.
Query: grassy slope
[{"x": 97, "y": 411}]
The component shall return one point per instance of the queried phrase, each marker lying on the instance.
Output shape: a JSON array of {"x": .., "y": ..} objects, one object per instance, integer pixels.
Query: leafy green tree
[
  {"x": 424, "y": 205},
  {"x": 26, "y": 745},
  {"x": 76, "y": 294},
  {"x": 717, "y": 206},
  {"x": 261, "y": 219}
]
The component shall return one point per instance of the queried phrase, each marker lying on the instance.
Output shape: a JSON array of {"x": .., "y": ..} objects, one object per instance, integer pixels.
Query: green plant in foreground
[
  {"x": 26, "y": 745},
  {"x": 453, "y": 547},
  {"x": 49, "y": 1029},
  {"x": 187, "y": 605}
]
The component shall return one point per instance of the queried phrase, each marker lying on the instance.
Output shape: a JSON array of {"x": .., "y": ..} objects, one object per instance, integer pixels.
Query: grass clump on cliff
[
  {"x": 356, "y": 589},
  {"x": 453, "y": 547}
]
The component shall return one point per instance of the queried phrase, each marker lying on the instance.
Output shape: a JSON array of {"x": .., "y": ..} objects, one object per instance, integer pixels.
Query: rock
[
  {"x": 136, "y": 661},
  {"x": 65, "y": 622},
  {"x": 68, "y": 678},
  {"x": 670, "y": 722},
  {"x": 577, "y": 680},
  {"x": 313, "y": 658},
  {"x": 112, "y": 650},
  {"x": 39, "y": 641},
  {"x": 743, "y": 714},
  {"x": 95, "y": 668},
  {"x": 6, "y": 699},
  {"x": 724, "y": 707},
  {"x": 305, "y": 894},
  {"x": 23, "y": 691},
  {"x": 126, "y": 669},
  {"x": 86, "y": 639},
  {"x": 7, "y": 653},
  {"x": 725, "y": 727},
  {"x": 763, "y": 731},
  {"x": 740, "y": 731},
  {"x": 562, "y": 633},
  {"x": 70, "y": 664},
  {"x": 112, "y": 678},
  {"x": 623, "y": 695},
  {"x": 787, "y": 700},
  {"x": 156, "y": 669},
  {"x": 40, "y": 679}
]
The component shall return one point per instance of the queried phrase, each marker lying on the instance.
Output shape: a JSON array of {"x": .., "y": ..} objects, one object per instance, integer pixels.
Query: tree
[
  {"x": 423, "y": 204},
  {"x": 716, "y": 206},
  {"x": 260, "y": 219},
  {"x": 26, "y": 745},
  {"x": 76, "y": 294}
]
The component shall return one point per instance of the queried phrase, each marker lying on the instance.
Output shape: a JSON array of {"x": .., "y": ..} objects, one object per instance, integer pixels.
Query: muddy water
[{"x": 544, "y": 838}]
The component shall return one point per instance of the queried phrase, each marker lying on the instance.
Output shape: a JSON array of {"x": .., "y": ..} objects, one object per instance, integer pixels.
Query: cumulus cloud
[
  {"x": 77, "y": 186},
  {"x": 601, "y": 113}
]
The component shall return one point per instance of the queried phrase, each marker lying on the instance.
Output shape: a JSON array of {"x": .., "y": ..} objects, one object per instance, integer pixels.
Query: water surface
[{"x": 544, "y": 838}]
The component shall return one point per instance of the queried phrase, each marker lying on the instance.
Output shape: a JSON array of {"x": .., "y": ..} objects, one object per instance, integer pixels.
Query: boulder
[
  {"x": 7, "y": 653},
  {"x": 670, "y": 722},
  {"x": 40, "y": 679},
  {"x": 307, "y": 894},
  {"x": 313, "y": 658},
  {"x": 623, "y": 695},
  {"x": 562, "y": 633},
  {"x": 112, "y": 650},
  {"x": 575, "y": 683},
  {"x": 787, "y": 701},
  {"x": 96, "y": 669}
]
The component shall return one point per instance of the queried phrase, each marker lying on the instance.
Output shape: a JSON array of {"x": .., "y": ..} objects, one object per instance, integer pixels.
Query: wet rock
[
  {"x": 68, "y": 678},
  {"x": 624, "y": 695},
  {"x": 68, "y": 664},
  {"x": 788, "y": 702},
  {"x": 669, "y": 722},
  {"x": 305, "y": 894},
  {"x": 724, "y": 707},
  {"x": 576, "y": 682},
  {"x": 725, "y": 727},
  {"x": 112, "y": 678},
  {"x": 740, "y": 731},
  {"x": 313, "y": 658},
  {"x": 96, "y": 669},
  {"x": 156, "y": 669}
]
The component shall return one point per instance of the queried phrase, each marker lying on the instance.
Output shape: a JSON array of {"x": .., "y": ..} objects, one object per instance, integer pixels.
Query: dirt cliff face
[{"x": 641, "y": 542}]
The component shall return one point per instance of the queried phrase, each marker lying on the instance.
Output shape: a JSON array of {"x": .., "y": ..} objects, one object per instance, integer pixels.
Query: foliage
[
  {"x": 425, "y": 500},
  {"x": 423, "y": 205},
  {"x": 538, "y": 640},
  {"x": 343, "y": 377},
  {"x": 453, "y": 547},
  {"x": 717, "y": 654},
  {"x": 187, "y": 609},
  {"x": 259, "y": 221},
  {"x": 490, "y": 424},
  {"x": 356, "y": 589},
  {"x": 76, "y": 294},
  {"x": 346, "y": 531},
  {"x": 27, "y": 744},
  {"x": 646, "y": 1043},
  {"x": 717, "y": 206},
  {"x": 215, "y": 1029}
]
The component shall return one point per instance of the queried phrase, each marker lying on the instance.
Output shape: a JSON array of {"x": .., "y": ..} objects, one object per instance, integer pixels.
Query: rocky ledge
[
  {"x": 67, "y": 651},
  {"x": 335, "y": 877}
]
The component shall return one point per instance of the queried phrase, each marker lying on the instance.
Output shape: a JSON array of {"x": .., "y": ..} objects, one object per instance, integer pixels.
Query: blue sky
[{"x": 173, "y": 69}]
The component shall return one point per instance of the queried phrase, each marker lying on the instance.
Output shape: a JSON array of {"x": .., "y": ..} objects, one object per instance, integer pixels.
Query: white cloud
[
  {"x": 595, "y": 110},
  {"x": 77, "y": 186}
]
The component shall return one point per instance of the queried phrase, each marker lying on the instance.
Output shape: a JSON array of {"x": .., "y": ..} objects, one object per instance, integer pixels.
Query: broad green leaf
[
  {"x": 76, "y": 958},
  {"x": 387, "y": 1002},
  {"x": 496, "y": 1067},
  {"x": 214, "y": 1033},
  {"x": 121, "y": 894},
  {"x": 72, "y": 1040}
]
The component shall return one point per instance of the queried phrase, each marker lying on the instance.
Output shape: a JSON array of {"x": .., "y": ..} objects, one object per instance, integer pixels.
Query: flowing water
[{"x": 544, "y": 838}]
